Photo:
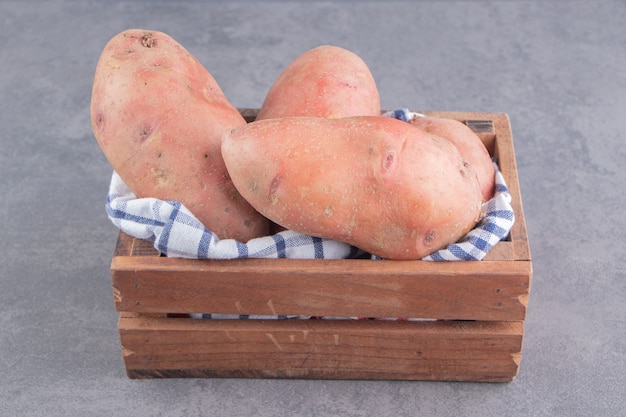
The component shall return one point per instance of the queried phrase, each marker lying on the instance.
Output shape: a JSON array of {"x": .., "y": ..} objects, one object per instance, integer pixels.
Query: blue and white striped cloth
[{"x": 176, "y": 232}]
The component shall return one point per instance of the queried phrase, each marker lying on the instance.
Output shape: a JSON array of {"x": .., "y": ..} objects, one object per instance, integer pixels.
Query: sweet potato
[
  {"x": 469, "y": 145},
  {"x": 377, "y": 183},
  {"x": 158, "y": 116},
  {"x": 326, "y": 81}
]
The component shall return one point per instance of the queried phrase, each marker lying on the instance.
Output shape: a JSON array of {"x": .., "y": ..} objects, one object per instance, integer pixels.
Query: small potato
[
  {"x": 327, "y": 81},
  {"x": 469, "y": 145},
  {"x": 158, "y": 116},
  {"x": 377, "y": 183}
]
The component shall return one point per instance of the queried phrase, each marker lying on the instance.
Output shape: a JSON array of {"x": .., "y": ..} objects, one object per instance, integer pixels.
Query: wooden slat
[
  {"x": 129, "y": 246},
  {"x": 321, "y": 349},
  {"x": 349, "y": 287},
  {"x": 505, "y": 152},
  {"x": 123, "y": 245}
]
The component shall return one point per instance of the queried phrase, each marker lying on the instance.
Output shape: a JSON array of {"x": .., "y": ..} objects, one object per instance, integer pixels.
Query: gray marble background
[{"x": 556, "y": 67}]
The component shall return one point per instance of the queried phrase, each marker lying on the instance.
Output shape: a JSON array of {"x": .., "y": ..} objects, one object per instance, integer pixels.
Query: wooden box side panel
[
  {"x": 504, "y": 151},
  {"x": 321, "y": 349},
  {"x": 343, "y": 288}
]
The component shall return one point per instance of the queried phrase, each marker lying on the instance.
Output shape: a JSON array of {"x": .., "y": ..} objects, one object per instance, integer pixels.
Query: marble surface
[{"x": 556, "y": 67}]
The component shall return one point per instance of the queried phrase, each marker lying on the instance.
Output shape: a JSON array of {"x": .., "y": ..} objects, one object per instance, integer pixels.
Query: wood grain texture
[
  {"x": 347, "y": 288},
  {"x": 321, "y": 349}
]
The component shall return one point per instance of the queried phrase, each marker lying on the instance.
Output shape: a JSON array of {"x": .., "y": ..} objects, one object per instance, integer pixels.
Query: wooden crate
[{"x": 476, "y": 310}]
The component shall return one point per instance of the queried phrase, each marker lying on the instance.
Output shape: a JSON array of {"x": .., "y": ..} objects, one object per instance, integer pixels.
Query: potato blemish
[
  {"x": 388, "y": 161},
  {"x": 465, "y": 165},
  {"x": 144, "y": 133},
  {"x": 148, "y": 40},
  {"x": 99, "y": 121},
  {"x": 429, "y": 237},
  {"x": 159, "y": 176},
  {"x": 273, "y": 198}
]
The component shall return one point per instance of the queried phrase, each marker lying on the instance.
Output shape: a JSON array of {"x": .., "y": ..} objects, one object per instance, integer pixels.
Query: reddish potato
[
  {"x": 158, "y": 116},
  {"x": 377, "y": 183},
  {"x": 469, "y": 145},
  {"x": 327, "y": 81}
]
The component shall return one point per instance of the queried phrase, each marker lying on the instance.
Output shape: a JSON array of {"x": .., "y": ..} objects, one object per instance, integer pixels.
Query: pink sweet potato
[
  {"x": 377, "y": 183},
  {"x": 158, "y": 116},
  {"x": 469, "y": 145},
  {"x": 326, "y": 81}
]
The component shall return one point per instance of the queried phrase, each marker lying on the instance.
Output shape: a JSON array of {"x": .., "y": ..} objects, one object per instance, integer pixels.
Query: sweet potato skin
[
  {"x": 326, "y": 81},
  {"x": 158, "y": 115},
  {"x": 469, "y": 145},
  {"x": 377, "y": 183}
]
